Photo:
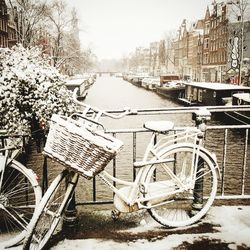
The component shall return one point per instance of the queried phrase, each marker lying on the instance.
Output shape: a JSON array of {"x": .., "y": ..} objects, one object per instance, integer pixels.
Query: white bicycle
[
  {"x": 176, "y": 180},
  {"x": 19, "y": 197}
]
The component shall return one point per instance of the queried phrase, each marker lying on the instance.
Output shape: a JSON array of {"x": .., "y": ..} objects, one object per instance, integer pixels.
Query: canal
[
  {"x": 110, "y": 93},
  {"x": 115, "y": 93}
]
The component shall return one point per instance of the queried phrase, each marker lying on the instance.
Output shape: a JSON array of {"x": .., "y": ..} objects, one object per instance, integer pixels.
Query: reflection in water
[
  {"x": 233, "y": 164},
  {"x": 111, "y": 93}
]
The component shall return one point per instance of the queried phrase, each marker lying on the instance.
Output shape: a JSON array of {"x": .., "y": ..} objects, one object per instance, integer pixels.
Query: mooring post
[{"x": 201, "y": 116}]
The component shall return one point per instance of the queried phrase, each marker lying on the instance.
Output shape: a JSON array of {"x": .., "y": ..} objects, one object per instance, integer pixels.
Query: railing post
[
  {"x": 70, "y": 216},
  {"x": 45, "y": 175},
  {"x": 201, "y": 117}
]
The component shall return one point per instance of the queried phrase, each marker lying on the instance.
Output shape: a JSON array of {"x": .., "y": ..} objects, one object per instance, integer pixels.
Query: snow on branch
[{"x": 30, "y": 89}]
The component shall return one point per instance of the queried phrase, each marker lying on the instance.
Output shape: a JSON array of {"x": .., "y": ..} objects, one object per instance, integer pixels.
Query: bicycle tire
[
  {"x": 20, "y": 194},
  {"x": 49, "y": 212},
  {"x": 188, "y": 207}
]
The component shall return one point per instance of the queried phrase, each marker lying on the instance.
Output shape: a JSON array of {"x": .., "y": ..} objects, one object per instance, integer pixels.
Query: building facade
[
  {"x": 12, "y": 27},
  {"x": 214, "y": 49},
  {"x": 215, "y": 43},
  {"x": 3, "y": 25},
  {"x": 188, "y": 50}
]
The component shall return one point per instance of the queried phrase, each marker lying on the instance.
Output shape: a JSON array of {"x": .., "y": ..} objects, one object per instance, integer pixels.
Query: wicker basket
[{"x": 79, "y": 147}]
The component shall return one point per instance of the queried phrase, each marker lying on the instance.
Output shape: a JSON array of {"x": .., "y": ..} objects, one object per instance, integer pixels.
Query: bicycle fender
[{"x": 33, "y": 176}]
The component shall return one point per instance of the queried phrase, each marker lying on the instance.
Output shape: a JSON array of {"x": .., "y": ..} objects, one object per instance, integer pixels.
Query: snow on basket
[{"x": 79, "y": 147}]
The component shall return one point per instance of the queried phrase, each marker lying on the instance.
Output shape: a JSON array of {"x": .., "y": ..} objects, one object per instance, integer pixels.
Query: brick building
[
  {"x": 210, "y": 49},
  {"x": 188, "y": 50},
  {"x": 8, "y": 28},
  {"x": 215, "y": 43},
  {"x": 194, "y": 50},
  {"x": 3, "y": 25},
  {"x": 12, "y": 27}
]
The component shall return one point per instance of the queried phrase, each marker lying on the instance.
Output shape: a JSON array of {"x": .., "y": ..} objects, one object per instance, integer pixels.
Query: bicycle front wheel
[
  {"x": 19, "y": 196},
  {"x": 182, "y": 206},
  {"x": 50, "y": 211}
]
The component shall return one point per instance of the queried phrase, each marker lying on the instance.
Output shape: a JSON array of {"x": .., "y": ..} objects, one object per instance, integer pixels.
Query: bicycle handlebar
[{"x": 95, "y": 109}]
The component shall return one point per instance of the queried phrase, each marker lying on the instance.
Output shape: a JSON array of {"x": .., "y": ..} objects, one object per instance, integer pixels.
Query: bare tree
[
  {"x": 169, "y": 38},
  {"x": 51, "y": 25},
  {"x": 58, "y": 22},
  {"x": 67, "y": 52},
  {"x": 133, "y": 62},
  {"x": 68, "y": 43},
  {"x": 28, "y": 15}
]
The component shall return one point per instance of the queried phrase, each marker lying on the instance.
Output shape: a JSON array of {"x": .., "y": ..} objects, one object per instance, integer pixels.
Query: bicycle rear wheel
[
  {"x": 188, "y": 206},
  {"x": 20, "y": 194},
  {"x": 50, "y": 211}
]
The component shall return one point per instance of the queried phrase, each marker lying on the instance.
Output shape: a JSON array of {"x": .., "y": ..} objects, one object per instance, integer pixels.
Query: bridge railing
[{"x": 229, "y": 142}]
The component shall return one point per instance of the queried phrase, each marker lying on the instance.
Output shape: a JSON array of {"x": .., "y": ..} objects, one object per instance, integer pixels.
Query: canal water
[{"x": 112, "y": 93}]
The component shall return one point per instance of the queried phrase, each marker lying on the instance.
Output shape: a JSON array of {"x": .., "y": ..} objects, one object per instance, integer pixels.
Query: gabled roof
[{"x": 207, "y": 15}]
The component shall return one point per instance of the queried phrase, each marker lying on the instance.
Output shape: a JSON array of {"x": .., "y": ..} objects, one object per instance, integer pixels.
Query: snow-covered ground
[
  {"x": 227, "y": 227},
  {"x": 231, "y": 223}
]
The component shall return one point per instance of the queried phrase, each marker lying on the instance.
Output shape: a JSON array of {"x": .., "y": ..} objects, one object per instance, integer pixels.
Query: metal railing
[
  {"x": 225, "y": 191},
  {"x": 20, "y": 141}
]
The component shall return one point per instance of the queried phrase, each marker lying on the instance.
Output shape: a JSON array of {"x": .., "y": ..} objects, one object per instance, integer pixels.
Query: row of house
[{"x": 210, "y": 49}]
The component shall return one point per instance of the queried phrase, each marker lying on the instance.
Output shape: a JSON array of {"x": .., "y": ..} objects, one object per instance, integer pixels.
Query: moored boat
[
  {"x": 171, "y": 90},
  {"x": 82, "y": 83},
  {"x": 210, "y": 93},
  {"x": 241, "y": 117}
]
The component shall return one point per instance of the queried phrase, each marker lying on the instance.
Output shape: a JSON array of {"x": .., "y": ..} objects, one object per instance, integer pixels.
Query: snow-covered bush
[{"x": 30, "y": 89}]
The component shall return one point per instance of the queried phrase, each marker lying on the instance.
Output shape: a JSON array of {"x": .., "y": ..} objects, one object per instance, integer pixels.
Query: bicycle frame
[{"x": 132, "y": 192}]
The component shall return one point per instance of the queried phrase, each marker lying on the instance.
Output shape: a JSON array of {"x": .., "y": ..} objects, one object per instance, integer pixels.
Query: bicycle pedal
[{"x": 115, "y": 214}]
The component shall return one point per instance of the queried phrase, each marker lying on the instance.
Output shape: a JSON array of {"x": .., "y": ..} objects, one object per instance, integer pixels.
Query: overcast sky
[{"x": 113, "y": 28}]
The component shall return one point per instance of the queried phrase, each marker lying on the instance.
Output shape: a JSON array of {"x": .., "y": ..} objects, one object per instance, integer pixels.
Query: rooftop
[
  {"x": 75, "y": 82},
  {"x": 217, "y": 86},
  {"x": 243, "y": 96}
]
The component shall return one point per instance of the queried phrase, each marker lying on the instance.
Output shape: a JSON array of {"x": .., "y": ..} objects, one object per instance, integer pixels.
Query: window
[
  {"x": 207, "y": 28},
  {"x": 195, "y": 94},
  {"x": 200, "y": 95},
  {"x": 206, "y": 58},
  {"x": 189, "y": 93},
  {"x": 206, "y": 43}
]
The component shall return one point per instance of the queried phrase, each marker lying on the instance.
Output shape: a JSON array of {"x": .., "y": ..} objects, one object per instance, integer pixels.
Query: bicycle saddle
[{"x": 159, "y": 126}]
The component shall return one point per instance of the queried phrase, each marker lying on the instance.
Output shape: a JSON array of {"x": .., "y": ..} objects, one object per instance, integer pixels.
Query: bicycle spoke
[
  {"x": 18, "y": 188},
  {"x": 18, "y": 218},
  {"x": 191, "y": 198},
  {"x": 19, "y": 199},
  {"x": 50, "y": 213}
]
